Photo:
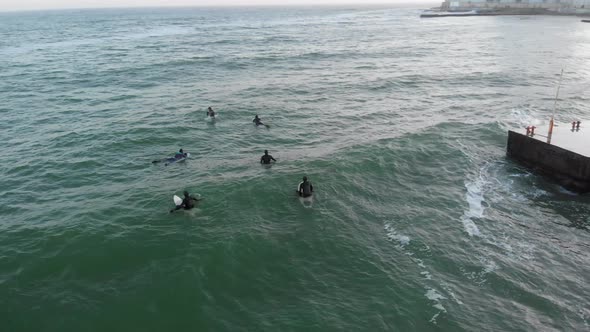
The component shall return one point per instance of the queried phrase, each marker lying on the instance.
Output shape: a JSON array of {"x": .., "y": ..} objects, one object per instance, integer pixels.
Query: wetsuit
[
  {"x": 188, "y": 202},
  {"x": 257, "y": 122},
  {"x": 178, "y": 156},
  {"x": 305, "y": 189},
  {"x": 265, "y": 159}
]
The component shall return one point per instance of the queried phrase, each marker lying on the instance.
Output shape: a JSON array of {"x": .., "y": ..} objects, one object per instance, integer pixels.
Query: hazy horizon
[{"x": 25, "y": 5}]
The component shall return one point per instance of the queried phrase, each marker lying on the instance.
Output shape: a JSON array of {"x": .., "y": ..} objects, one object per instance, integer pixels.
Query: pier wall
[
  {"x": 569, "y": 169},
  {"x": 534, "y": 6}
]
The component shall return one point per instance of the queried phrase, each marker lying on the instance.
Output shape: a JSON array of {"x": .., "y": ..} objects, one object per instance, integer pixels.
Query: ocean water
[{"x": 419, "y": 222}]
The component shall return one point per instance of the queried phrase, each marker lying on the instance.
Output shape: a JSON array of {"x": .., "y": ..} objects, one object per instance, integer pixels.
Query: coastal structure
[
  {"x": 563, "y": 7},
  {"x": 563, "y": 154}
]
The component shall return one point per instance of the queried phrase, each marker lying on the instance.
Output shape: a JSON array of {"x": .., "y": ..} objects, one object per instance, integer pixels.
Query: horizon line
[{"x": 352, "y": 3}]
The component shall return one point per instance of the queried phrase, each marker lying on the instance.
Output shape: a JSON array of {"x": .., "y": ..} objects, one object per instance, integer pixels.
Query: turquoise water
[{"x": 419, "y": 222}]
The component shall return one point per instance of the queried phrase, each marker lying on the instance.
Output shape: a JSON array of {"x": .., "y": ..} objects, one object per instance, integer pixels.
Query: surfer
[
  {"x": 180, "y": 154},
  {"x": 188, "y": 202},
  {"x": 210, "y": 112},
  {"x": 305, "y": 188},
  {"x": 177, "y": 156},
  {"x": 257, "y": 121},
  {"x": 266, "y": 158}
]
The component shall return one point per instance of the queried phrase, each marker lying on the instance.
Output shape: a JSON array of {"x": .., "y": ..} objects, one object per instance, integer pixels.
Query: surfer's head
[
  {"x": 265, "y": 151},
  {"x": 186, "y": 193},
  {"x": 305, "y": 179},
  {"x": 181, "y": 151},
  {"x": 210, "y": 108},
  {"x": 256, "y": 116}
]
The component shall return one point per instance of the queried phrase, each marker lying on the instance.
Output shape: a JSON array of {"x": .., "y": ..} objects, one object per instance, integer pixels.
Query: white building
[{"x": 558, "y": 6}]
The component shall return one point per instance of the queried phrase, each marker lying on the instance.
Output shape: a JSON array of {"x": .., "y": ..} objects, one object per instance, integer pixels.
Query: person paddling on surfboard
[
  {"x": 305, "y": 188},
  {"x": 180, "y": 154},
  {"x": 177, "y": 156},
  {"x": 266, "y": 158},
  {"x": 188, "y": 202},
  {"x": 210, "y": 112}
]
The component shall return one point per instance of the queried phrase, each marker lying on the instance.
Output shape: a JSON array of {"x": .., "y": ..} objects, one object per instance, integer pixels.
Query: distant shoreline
[{"x": 501, "y": 12}]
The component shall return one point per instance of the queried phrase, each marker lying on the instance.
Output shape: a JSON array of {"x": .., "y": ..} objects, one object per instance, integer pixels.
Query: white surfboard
[
  {"x": 177, "y": 200},
  {"x": 307, "y": 202}
]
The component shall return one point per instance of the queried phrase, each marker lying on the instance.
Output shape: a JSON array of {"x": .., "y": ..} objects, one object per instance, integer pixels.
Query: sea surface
[{"x": 419, "y": 221}]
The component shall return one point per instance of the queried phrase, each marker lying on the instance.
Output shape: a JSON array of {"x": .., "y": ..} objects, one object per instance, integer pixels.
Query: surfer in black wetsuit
[
  {"x": 210, "y": 112},
  {"x": 177, "y": 156},
  {"x": 180, "y": 154},
  {"x": 266, "y": 158},
  {"x": 305, "y": 188},
  {"x": 188, "y": 202},
  {"x": 257, "y": 121}
]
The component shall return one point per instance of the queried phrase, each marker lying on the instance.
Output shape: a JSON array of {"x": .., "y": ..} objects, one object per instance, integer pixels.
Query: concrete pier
[{"x": 566, "y": 159}]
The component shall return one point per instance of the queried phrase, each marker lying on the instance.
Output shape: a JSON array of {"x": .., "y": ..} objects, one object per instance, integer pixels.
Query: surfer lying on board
[
  {"x": 305, "y": 188},
  {"x": 266, "y": 158},
  {"x": 210, "y": 112},
  {"x": 177, "y": 156},
  {"x": 180, "y": 154},
  {"x": 188, "y": 202}
]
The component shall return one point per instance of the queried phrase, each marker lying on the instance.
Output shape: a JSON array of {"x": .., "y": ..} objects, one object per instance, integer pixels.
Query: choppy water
[{"x": 419, "y": 221}]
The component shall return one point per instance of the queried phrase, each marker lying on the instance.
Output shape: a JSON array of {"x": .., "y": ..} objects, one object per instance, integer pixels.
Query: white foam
[
  {"x": 431, "y": 293},
  {"x": 433, "y": 319},
  {"x": 392, "y": 235},
  {"x": 514, "y": 250},
  {"x": 526, "y": 117},
  {"x": 434, "y": 296},
  {"x": 420, "y": 263},
  {"x": 474, "y": 197},
  {"x": 440, "y": 307},
  {"x": 490, "y": 266},
  {"x": 446, "y": 287},
  {"x": 470, "y": 227}
]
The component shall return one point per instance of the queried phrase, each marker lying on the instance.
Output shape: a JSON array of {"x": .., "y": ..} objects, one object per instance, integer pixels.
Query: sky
[{"x": 11, "y": 5}]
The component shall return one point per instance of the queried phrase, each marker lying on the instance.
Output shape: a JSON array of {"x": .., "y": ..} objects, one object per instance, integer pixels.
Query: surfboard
[
  {"x": 174, "y": 160},
  {"x": 177, "y": 200},
  {"x": 307, "y": 202}
]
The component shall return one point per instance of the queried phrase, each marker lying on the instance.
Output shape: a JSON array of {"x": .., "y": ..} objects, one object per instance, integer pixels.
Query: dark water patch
[
  {"x": 224, "y": 42},
  {"x": 279, "y": 39}
]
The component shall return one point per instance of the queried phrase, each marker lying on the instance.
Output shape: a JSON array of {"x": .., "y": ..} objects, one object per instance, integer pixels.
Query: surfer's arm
[{"x": 178, "y": 207}]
